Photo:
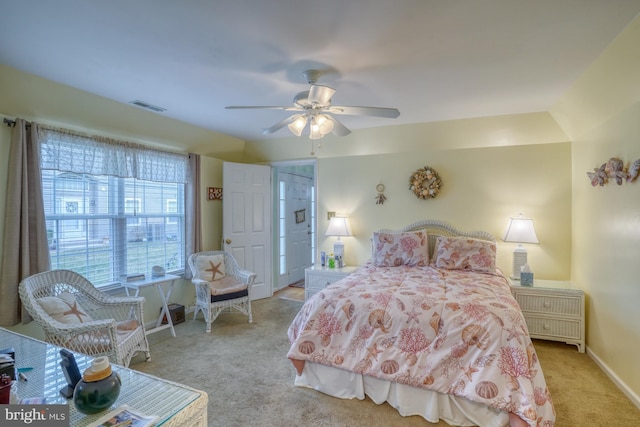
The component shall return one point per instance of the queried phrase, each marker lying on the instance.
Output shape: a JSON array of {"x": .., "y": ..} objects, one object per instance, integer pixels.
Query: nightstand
[
  {"x": 317, "y": 278},
  {"x": 553, "y": 310}
]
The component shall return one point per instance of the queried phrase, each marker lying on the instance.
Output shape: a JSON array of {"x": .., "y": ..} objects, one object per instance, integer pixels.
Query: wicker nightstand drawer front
[
  {"x": 316, "y": 279},
  {"x": 319, "y": 282},
  {"x": 550, "y": 304},
  {"x": 540, "y": 326},
  {"x": 554, "y": 310}
]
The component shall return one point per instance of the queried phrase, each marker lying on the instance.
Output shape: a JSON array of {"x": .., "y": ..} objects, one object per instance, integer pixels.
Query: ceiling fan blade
[
  {"x": 338, "y": 128},
  {"x": 320, "y": 94},
  {"x": 279, "y": 125},
  {"x": 390, "y": 113},
  {"x": 262, "y": 107}
]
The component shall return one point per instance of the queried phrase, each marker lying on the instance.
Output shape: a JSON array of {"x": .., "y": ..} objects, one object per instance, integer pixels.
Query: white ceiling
[{"x": 432, "y": 59}]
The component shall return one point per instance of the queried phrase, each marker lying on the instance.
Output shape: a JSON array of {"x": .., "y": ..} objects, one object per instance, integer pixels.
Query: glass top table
[{"x": 174, "y": 404}]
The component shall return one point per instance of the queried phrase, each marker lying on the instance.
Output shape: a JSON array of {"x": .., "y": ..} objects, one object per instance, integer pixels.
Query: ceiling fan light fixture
[
  {"x": 315, "y": 112},
  {"x": 325, "y": 124},
  {"x": 298, "y": 125}
]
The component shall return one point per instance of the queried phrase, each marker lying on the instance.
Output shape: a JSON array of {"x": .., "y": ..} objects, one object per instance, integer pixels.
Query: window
[
  {"x": 102, "y": 225},
  {"x": 282, "y": 216},
  {"x": 172, "y": 207}
]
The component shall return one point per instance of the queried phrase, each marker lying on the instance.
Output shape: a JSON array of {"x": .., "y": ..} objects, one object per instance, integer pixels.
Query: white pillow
[
  {"x": 210, "y": 268},
  {"x": 64, "y": 308}
]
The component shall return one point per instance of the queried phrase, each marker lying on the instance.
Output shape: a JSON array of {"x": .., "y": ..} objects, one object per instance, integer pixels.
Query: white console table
[{"x": 156, "y": 282}]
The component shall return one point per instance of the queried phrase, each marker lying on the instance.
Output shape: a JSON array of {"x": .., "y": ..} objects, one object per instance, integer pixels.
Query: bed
[{"x": 428, "y": 325}]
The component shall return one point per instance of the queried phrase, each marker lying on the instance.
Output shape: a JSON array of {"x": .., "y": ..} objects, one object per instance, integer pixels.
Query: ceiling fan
[{"x": 313, "y": 111}]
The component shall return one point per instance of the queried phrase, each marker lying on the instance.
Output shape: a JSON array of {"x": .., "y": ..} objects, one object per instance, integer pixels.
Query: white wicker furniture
[
  {"x": 317, "y": 278},
  {"x": 212, "y": 304},
  {"x": 157, "y": 283},
  {"x": 553, "y": 310},
  {"x": 116, "y": 326},
  {"x": 174, "y": 404}
]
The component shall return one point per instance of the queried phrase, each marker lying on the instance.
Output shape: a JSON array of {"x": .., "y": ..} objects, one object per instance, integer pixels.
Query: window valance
[{"x": 68, "y": 152}]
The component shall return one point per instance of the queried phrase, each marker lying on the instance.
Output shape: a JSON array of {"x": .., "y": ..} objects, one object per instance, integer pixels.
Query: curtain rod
[{"x": 12, "y": 123}]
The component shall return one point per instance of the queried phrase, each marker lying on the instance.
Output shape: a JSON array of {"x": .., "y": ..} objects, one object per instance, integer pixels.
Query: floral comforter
[{"x": 452, "y": 331}]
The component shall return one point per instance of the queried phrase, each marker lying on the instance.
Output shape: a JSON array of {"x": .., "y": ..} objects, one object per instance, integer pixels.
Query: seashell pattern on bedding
[{"x": 451, "y": 331}]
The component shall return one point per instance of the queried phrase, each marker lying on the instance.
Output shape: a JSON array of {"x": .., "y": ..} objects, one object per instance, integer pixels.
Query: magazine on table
[{"x": 124, "y": 416}]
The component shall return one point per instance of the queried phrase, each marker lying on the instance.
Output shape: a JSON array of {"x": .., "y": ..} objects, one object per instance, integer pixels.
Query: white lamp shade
[
  {"x": 520, "y": 230},
  {"x": 338, "y": 226}
]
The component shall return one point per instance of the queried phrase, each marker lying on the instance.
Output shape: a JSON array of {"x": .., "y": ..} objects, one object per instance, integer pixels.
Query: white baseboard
[{"x": 616, "y": 380}]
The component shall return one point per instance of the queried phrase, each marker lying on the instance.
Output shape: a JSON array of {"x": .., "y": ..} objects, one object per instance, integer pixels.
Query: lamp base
[
  {"x": 338, "y": 249},
  {"x": 519, "y": 259}
]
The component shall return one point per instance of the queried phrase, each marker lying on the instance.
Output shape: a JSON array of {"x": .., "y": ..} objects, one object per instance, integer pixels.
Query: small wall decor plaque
[
  {"x": 300, "y": 216},
  {"x": 380, "y": 198},
  {"x": 214, "y": 193}
]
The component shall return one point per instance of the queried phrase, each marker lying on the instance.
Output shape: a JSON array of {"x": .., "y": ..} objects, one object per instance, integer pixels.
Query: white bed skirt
[{"x": 408, "y": 400}]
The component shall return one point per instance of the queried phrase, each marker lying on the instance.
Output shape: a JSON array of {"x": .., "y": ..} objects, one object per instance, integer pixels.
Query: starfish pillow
[
  {"x": 210, "y": 268},
  {"x": 64, "y": 308}
]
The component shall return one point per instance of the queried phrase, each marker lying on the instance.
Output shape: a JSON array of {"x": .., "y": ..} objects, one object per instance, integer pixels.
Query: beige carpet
[{"x": 244, "y": 370}]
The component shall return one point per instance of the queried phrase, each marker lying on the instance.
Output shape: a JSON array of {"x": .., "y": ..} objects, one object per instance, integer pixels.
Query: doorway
[{"x": 295, "y": 224}]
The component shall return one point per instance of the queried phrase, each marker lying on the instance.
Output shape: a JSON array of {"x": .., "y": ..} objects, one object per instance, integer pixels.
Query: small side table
[
  {"x": 157, "y": 282},
  {"x": 553, "y": 310},
  {"x": 317, "y": 278}
]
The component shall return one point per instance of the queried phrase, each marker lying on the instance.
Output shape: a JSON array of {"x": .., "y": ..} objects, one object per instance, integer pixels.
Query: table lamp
[
  {"x": 520, "y": 230},
  {"x": 338, "y": 226}
]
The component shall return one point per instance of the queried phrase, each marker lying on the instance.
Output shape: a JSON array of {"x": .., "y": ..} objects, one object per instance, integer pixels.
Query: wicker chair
[
  {"x": 96, "y": 324},
  {"x": 232, "y": 290}
]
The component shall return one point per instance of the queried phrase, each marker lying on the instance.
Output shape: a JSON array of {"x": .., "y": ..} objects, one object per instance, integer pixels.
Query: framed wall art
[{"x": 214, "y": 193}]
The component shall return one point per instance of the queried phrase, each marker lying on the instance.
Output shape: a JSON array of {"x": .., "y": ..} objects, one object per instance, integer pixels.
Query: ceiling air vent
[{"x": 148, "y": 106}]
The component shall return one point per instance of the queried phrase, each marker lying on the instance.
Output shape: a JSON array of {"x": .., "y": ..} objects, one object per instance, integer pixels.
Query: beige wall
[
  {"x": 481, "y": 189},
  {"x": 602, "y": 114},
  {"x": 525, "y": 166}
]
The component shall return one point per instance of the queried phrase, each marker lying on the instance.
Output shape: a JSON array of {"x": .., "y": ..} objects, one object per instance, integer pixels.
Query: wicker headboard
[{"x": 435, "y": 228}]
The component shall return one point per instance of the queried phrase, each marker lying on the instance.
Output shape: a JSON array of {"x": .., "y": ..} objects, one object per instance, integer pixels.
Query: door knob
[{"x": 228, "y": 241}]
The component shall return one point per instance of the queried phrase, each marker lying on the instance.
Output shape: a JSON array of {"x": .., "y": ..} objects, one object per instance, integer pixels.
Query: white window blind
[{"x": 112, "y": 208}]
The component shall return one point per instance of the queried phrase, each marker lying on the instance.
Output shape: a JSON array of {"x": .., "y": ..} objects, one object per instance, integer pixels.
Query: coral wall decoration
[{"x": 614, "y": 169}]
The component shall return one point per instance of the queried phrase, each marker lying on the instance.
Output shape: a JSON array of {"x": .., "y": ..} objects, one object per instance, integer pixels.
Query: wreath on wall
[{"x": 425, "y": 183}]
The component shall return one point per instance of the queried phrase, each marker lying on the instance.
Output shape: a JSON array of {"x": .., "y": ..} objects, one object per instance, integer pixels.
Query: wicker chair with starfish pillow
[
  {"x": 220, "y": 285},
  {"x": 76, "y": 315}
]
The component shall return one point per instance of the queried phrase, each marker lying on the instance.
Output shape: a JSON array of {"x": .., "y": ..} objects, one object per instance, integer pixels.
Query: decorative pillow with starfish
[
  {"x": 401, "y": 248},
  {"x": 463, "y": 253},
  {"x": 64, "y": 308},
  {"x": 210, "y": 268}
]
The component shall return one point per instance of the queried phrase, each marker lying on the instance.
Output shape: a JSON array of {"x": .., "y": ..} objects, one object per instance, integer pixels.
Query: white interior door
[
  {"x": 298, "y": 214},
  {"x": 246, "y": 221}
]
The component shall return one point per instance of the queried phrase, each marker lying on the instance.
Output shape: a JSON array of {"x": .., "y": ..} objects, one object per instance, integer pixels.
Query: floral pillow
[
  {"x": 64, "y": 308},
  {"x": 464, "y": 253},
  {"x": 403, "y": 248},
  {"x": 210, "y": 268}
]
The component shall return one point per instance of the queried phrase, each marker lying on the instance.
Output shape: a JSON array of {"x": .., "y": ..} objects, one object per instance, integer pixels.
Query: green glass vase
[{"x": 98, "y": 389}]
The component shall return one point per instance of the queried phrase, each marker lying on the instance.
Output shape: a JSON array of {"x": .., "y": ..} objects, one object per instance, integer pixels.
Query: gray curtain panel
[
  {"x": 192, "y": 212},
  {"x": 25, "y": 248}
]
